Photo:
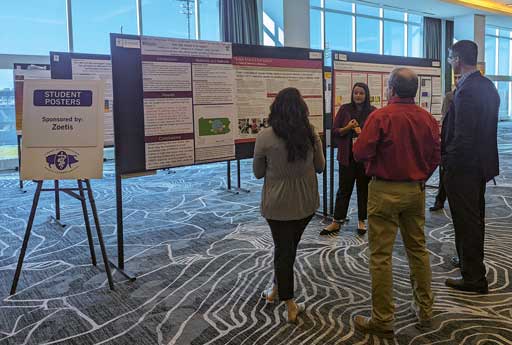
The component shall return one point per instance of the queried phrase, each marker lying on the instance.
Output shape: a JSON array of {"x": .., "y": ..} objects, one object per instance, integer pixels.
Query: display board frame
[
  {"x": 62, "y": 68},
  {"x": 128, "y": 88},
  {"x": 376, "y": 64},
  {"x": 382, "y": 65}
]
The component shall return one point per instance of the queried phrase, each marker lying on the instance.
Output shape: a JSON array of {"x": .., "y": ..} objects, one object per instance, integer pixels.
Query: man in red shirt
[{"x": 400, "y": 145}]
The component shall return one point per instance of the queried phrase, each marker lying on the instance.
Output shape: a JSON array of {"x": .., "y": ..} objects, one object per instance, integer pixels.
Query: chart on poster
[{"x": 351, "y": 68}]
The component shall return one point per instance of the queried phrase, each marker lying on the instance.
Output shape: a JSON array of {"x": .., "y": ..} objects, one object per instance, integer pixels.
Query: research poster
[
  {"x": 62, "y": 130},
  {"x": 98, "y": 69},
  {"x": 259, "y": 79},
  {"x": 76, "y": 66},
  {"x": 188, "y": 95},
  {"x": 350, "y": 68},
  {"x": 21, "y": 73}
]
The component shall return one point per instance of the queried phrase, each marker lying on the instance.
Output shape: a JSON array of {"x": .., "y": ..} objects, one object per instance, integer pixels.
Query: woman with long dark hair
[
  {"x": 348, "y": 123},
  {"x": 288, "y": 155}
]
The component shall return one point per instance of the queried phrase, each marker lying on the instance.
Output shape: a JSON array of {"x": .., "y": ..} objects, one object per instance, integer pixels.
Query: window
[
  {"x": 396, "y": 15},
  {"x": 367, "y": 10},
  {"x": 504, "y": 92},
  {"x": 273, "y": 23},
  {"x": 209, "y": 20},
  {"x": 415, "y": 40},
  {"x": 349, "y": 26},
  {"x": 504, "y": 56},
  {"x": 498, "y": 67},
  {"x": 490, "y": 55},
  {"x": 8, "y": 140},
  {"x": 315, "y": 34},
  {"x": 394, "y": 34},
  {"x": 338, "y": 30},
  {"x": 94, "y": 20},
  {"x": 169, "y": 18},
  {"x": 339, "y": 5},
  {"x": 367, "y": 35},
  {"x": 33, "y": 27}
]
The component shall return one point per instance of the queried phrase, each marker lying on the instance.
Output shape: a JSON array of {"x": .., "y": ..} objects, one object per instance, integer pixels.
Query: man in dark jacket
[{"x": 469, "y": 153}]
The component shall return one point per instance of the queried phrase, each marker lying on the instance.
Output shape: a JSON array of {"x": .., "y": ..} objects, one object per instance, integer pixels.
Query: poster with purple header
[{"x": 188, "y": 97}]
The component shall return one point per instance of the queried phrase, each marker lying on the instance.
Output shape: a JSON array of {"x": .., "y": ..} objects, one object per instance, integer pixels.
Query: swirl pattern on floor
[{"x": 202, "y": 257}]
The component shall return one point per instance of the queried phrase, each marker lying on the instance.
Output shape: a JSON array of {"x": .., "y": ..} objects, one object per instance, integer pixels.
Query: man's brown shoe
[{"x": 364, "y": 324}]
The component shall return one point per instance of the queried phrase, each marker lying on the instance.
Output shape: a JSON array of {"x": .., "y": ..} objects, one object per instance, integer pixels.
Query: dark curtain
[
  {"x": 449, "y": 41},
  {"x": 239, "y": 21},
  {"x": 432, "y": 38}
]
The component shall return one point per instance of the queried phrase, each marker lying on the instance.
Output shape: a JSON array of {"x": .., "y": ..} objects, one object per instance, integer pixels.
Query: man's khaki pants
[{"x": 392, "y": 205}]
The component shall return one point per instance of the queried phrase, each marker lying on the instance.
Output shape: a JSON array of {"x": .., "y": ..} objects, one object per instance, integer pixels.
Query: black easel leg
[
  {"x": 26, "y": 238},
  {"x": 86, "y": 220},
  {"x": 100, "y": 235},
  {"x": 57, "y": 201}
]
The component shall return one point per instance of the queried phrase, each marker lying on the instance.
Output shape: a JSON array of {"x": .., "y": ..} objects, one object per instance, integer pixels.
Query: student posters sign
[{"x": 62, "y": 129}]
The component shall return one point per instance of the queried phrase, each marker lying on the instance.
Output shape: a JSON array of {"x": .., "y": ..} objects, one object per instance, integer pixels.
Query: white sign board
[{"x": 62, "y": 129}]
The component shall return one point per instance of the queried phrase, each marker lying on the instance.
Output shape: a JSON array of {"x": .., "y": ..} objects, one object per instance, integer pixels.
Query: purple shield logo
[{"x": 61, "y": 160}]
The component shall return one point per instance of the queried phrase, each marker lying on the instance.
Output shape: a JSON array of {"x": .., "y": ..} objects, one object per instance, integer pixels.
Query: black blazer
[{"x": 470, "y": 129}]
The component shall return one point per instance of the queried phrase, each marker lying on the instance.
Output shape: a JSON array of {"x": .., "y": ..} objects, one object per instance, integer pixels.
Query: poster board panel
[
  {"x": 63, "y": 130},
  {"x": 22, "y": 72},
  {"x": 349, "y": 68},
  {"x": 78, "y": 66},
  {"x": 152, "y": 74}
]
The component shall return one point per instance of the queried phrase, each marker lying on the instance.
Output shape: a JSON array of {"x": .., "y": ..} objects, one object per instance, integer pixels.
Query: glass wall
[
  {"x": 92, "y": 19},
  {"x": 345, "y": 25},
  {"x": 8, "y": 146},
  {"x": 498, "y": 67},
  {"x": 273, "y": 23},
  {"x": 35, "y": 27}
]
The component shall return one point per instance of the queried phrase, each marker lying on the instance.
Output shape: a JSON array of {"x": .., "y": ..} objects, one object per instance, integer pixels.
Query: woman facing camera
[
  {"x": 288, "y": 155},
  {"x": 348, "y": 123}
]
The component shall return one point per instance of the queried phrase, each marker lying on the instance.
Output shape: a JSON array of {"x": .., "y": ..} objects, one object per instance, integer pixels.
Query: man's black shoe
[
  {"x": 459, "y": 284},
  {"x": 436, "y": 207},
  {"x": 455, "y": 261}
]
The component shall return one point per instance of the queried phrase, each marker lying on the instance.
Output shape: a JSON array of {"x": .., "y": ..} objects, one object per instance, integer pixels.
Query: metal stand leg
[
  {"x": 57, "y": 204},
  {"x": 26, "y": 238},
  {"x": 331, "y": 184},
  {"x": 239, "y": 178},
  {"x": 324, "y": 177},
  {"x": 19, "y": 162},
  {"x": 120, "y": 230},
  {"x": 228, "y": 180},
  {"x": 100, "y": 235},
  {"x": 86, "y": 220}
]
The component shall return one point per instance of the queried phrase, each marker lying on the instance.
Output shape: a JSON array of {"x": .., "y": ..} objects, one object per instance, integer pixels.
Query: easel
[
  {"x": 56, "y": 184},
  {"x": 81, "y": 197}
]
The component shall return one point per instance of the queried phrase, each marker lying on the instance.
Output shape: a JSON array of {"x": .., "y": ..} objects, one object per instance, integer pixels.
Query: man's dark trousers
[{"x": 466, "y": 197}]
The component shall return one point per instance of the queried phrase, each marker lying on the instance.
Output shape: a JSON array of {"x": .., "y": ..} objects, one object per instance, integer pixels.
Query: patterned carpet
[{"x": 202, "y": 256}]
